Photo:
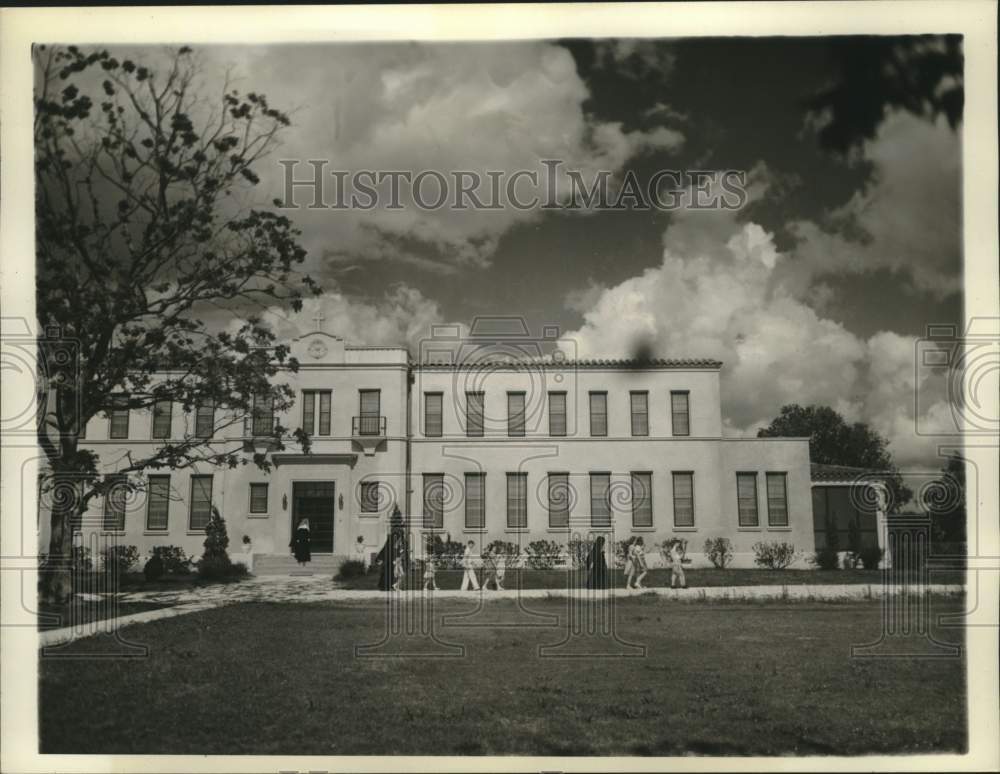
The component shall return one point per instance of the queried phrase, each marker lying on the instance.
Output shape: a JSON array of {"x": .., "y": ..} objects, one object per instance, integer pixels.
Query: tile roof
[{"x": 549, "y": 362}]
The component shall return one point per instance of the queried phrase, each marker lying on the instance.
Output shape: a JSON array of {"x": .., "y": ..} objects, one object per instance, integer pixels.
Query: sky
[{"x": 816, "y": 291}]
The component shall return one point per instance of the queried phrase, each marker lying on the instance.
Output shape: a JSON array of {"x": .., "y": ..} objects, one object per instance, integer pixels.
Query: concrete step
[{"x": 285, "y": 564}]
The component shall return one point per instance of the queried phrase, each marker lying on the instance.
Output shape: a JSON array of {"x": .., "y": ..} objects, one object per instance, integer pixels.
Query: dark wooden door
[{"x": 316, "y": 501}]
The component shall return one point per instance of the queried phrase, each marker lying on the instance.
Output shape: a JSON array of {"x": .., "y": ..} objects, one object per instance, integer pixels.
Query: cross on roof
[{"x": 318, "y": 319}]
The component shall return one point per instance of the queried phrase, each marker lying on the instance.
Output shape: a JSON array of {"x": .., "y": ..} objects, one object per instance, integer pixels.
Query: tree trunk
[{"x": 55, "y": 577}]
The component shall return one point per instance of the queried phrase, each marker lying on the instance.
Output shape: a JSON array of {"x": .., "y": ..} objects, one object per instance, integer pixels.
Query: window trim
[
  {"x": 783, "y": 474},
  {"x": 211, "y": 490},
  {"x": 482, "y": 503},
  {"x": 607, "y": 500},
  {"x": 756, "y": 500},
  {"x": 513, "y": 476},
  {"x": 440, "y": 420},
  {"x": 687, "y": 413},
  {"x": 362, "y": 485},
  {"x": 632, "y": 477},
  {"x": 149, "y": 502},
  {"x": 590, "y": 411},
  {"x": 548, "y": 495},
  {"x": 673, "y": 483},
  {"x": 482, "y": 415}
]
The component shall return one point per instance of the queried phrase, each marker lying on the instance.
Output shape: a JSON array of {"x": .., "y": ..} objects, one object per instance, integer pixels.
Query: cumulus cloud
[{"x": 906, "y": 219}]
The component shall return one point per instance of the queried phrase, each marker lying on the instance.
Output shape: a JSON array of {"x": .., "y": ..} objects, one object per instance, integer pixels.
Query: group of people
[{"x": 396, "y": 557}]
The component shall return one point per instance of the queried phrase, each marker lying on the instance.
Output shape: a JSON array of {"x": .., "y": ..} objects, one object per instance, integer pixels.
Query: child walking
[
  {"x": 675, "y": 551},
  {"x": 639, "y": 561},
  {"x": 469, "y": 579},
  {"x": 398, "y": 570},
  {"x": 430, "y": 577}
]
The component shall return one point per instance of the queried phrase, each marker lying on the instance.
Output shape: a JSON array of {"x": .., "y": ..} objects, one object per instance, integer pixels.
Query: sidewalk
[{"x": 319, "y": 588}]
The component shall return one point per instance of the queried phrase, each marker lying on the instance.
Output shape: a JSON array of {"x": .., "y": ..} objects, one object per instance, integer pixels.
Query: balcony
[{"x": 368, "y": 431}]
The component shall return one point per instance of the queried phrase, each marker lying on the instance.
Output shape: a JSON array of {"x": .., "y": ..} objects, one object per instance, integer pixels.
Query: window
[
  {"x": 515, "y": 414},
  {"x": 200, "y": 505},
  {"x": 157, "y": 502},
  {"x": 640, "y": 413},
  {"x": 777, "y": 500},
  {"x": 204, "y": 420},
  {"x": 433, "y": 500},
  {"x": 258, "y": 498},
  {"x": 119, "y": 417},
  {"x": 642, "y": 499},
  {"x": 475, "y": 403},
  {"x": 310, "y": 400},
  {"x": 370, "y": 494},
  {"x": 746, "y": 499},
  {"x": 162, "y": 411},
  {"x": 114, "y": 504},
  {"x": 557, "y": 413},
  {"x": 263, "y": 415},
  {"x": 598, "y": 413},
  {"x": 600, "y": 504},
  {"x": 371, "y": 412},
  {"x": 560, "y": 498},
  {"x": 683, "y": 499},
  {"x": 679, "y": 413},
  {"x": 433, "y": 411},
  {"x": 517, "y": 500},
  {"x": 475, "y": 500}
]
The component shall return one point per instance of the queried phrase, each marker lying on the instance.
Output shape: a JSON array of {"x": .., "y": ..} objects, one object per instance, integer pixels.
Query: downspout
[{"x": 409, "y": 435}]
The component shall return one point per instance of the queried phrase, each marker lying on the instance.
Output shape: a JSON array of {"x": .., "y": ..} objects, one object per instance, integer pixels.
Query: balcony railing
[{"x": 368, "y": 425}]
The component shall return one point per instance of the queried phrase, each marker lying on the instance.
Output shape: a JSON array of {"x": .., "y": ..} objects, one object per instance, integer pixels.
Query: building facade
[{"x": 478, "y": 449}]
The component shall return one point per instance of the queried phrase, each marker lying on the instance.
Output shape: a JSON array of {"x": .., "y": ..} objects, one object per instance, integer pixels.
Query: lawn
[
  {"x": 742, "y": 679},
  {"x": 659, "y": 578},
  {"x": 81, "y": 612}
]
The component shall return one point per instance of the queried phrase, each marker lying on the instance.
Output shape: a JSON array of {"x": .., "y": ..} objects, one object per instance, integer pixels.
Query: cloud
[{"x": 906, "y": 219}]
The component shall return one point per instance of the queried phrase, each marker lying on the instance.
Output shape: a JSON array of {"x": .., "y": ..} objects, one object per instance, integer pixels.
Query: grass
[
  {"x": 740, "y": 679},
  {"x": 659, "y": 578}
]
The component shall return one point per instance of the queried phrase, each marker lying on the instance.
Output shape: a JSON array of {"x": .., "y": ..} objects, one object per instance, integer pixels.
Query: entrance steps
[{"x": 285, "y": 564}]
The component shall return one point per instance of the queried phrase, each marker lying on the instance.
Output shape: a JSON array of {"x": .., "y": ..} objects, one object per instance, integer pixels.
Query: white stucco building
[{"x": 476, "y": 447}]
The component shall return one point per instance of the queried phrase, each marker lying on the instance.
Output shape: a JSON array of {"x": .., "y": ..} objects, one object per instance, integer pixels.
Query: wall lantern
[
  {"x": 284, "y": 502},
  {"x": 340, "y": 501}
]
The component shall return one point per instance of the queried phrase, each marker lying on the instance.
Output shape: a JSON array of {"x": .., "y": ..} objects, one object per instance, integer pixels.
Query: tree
[
  {"x": 945, "y": 499},
  {"x": 832, "y": 441},
  {"x": 141, "y": 225}
]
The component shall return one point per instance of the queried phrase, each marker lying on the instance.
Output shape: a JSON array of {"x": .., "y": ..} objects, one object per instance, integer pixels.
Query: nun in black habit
[
  {"x": 301, "y": 544},
  {"x": 597, "y": 567},
  {"x": 394, "y": 545}
]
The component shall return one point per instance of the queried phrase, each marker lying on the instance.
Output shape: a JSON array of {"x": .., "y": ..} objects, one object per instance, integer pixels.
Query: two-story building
[{"x": 479, "y": 449}]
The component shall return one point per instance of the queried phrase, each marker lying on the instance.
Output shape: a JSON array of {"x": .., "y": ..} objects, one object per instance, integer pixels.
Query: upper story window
[
  {"x": 475, "y": 404},
  {"x": 679, "y": 413},
  {"x": 263, "y": 415},
  {"x": 433, "y": 414},
  {"x": 370, "y": 412},
  {"x": 640, "y": 413},
  {"x": 777, "y": 500},
  {"x": 162, "y": 415},
  {"x": 118, "y": 417},
  {"x": 557, "y": 413},
  {"x": 316, "y": 411},
  {"x": 598, "y": 413},
  {"x": 515, "y": 414},
  {"x": 746, "y": 499},
  {"x": 600, "y": 499},
  {"x": 204, "y": 420}
]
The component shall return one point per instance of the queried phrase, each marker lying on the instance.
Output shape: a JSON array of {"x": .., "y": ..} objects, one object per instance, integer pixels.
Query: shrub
[
  {"x": 853, "y": 556},
  {"x": 154, "y": 568},
  {"x": 543, "y": 554},
  {"x": 122, "y": 558},
  {"x": 870, "y": 557},
  {"x": 446, "y": 554},
  {"x": 577, "y": 551},
  {"x": 826, "y": 559},
  {"x": 350, "y": 568},
  {"x": 511, "y": 552},
  {"x": 719, "y": 551},
  {"x": 220, "y": 568},
  {"x": 621, "y": 546},
  {"x": 174, "y": 560},
  {"x": 216, "y": 537},
  {"x": 773, "y": 556},
  {"x": 81, "y": 559}
]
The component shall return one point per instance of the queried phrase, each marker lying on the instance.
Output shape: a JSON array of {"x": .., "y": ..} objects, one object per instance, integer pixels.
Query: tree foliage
[{"x": 142, "y": 225}]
